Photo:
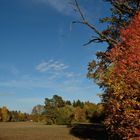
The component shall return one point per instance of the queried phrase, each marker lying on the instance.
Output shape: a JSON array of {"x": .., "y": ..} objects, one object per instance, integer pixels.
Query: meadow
[
  {"x": 38, "y": 131},
  {"x": 34, "y": 131}
]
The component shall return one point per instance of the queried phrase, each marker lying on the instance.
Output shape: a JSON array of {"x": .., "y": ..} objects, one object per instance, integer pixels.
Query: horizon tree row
[
  {"x": 58, "y": 111},
  {"x": 12, "y": 116}
]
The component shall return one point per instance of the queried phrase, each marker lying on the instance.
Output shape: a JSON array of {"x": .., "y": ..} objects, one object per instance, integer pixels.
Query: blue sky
[{"x": 42, "y": 55}]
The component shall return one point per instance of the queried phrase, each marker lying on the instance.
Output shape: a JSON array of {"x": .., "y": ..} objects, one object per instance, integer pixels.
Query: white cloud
[
  {"x": 70, "y": 85},
  {"x": 62, "y": 6},
  {"x": 51, "y": 65}
]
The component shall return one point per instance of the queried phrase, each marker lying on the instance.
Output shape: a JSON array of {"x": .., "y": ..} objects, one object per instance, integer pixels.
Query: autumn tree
[
  {"x": 123, "y": 81},
  {"x": 5, "y": 114},
  {"x": 38, "y": 110},
  {"x": 0, "y": 115},
  {"x": 68, "y": 102},
  {"x": 59, "y": 111},
  {"x": 50, "y": 111},
  {"x": 78, "y": 103},
  {"x": 65, "y": 115},
  {"x": 94, "y": 112},
  {"x": 52, "y": 107},
  {"x": 116, "y": 70},
  {"x": 79, "y": 114},
  {"x": 58, "y": 101},
  {"x": 14, "y": 116}
]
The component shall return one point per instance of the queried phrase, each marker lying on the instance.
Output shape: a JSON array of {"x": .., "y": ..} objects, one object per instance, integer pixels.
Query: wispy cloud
[
  {"x": 67, "y": 7},
  {"x": 69, "y": 85},
  {"x": 51, "y": 65},
  {"x": 53, "y": 77},
  {"x": 62, "y": 6},
  {"x": 73, "y": 85}
]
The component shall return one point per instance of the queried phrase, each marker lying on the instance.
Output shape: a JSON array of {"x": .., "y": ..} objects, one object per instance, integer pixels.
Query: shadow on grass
[{"x": 89, "y": 131}]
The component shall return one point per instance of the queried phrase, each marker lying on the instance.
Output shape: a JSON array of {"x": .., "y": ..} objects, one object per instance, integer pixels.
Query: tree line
[
  {"x": 58, "y": 111},
  {"x": 12, "y": 116}
]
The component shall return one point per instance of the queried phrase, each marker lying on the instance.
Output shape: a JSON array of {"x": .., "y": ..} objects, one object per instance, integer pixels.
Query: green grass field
[{"x": 34, "y": 131}]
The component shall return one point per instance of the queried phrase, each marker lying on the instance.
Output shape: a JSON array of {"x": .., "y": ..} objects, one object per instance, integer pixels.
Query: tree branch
[
  {"x": 127, "y": 9},
  {"x": 102, "y": 37}
]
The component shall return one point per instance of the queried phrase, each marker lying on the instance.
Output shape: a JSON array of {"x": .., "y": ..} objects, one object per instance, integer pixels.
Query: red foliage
[
  {"x": 126, "y": 55},
  {"x": 124, "y": 82}
]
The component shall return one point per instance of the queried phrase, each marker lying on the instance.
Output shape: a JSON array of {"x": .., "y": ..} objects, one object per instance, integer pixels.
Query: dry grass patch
[{"x": 33, "y": 131}]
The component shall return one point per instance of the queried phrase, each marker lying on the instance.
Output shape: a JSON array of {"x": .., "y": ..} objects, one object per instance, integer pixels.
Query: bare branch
[
  {"x": 79, "y": 10},
  {"x": 96, "y": 40},
  {"x": 102, "y": 37}
]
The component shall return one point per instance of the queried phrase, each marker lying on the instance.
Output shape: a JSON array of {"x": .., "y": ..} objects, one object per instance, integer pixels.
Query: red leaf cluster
[{"x": 123, "y": 80}]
